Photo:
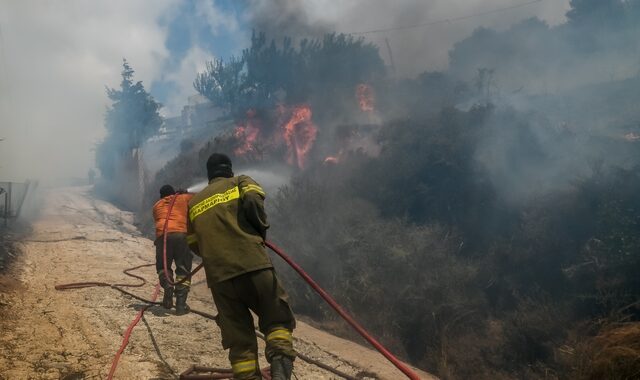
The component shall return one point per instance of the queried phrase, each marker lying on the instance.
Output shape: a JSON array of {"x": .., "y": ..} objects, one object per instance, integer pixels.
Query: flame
[
  {"x": 366, "y": 97},
  {"x": 299, "y": 134},
  {"x": 247, "y": 134}
]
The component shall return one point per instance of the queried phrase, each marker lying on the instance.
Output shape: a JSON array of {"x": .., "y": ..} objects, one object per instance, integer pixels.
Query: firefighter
[
  {"x": 227, "y": 226},
  {"x": 177, "y": 248}
]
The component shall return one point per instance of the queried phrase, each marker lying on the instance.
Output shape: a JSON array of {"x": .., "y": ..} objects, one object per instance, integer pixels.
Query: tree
[
  {"x": 221, "y": 83},
  {"x": 132, "y": 118},
  {"x": 268, "y": 73}
]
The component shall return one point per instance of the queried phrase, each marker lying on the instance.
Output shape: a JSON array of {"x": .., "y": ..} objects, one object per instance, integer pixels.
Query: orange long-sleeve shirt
[{"x": 178, "y": 217}]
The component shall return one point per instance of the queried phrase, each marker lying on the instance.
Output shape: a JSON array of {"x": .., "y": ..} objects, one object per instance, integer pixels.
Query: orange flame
[
  {"x": 366, "y": 97},
  {"x": 299, "y": 135},
  {"x": 247, "y": 134}
]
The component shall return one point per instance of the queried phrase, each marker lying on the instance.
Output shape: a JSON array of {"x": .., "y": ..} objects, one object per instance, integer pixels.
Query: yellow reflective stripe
[
  {"x": 191, "y": 239},
  {"x": 179, "y": 278},
  {"x": 244, "y": 366},
  {"x": 213, "y": 201},
  {"x": 279, "y": 337},
  {"x": 252, "y": 187},
  {"x": 282, "y": 334}
]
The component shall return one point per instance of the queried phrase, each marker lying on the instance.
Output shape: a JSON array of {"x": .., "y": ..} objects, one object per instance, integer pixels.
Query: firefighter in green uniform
[{"x": 227, "y": 228}]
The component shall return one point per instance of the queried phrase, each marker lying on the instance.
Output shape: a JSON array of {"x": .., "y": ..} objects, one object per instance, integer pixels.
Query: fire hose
[
  {"x": 325, "y": 296},
  {"x": 127, "y": 334},
  {"x": 352, "y": 322}
]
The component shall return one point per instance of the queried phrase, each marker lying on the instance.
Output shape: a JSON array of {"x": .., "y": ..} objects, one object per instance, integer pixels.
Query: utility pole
[
  {"x": 393, "y": 65},
  {"x": 6, "y": 208}
]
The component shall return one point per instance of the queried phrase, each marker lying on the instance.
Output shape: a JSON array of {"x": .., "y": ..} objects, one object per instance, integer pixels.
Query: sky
[{"x": 56, "y": 58}]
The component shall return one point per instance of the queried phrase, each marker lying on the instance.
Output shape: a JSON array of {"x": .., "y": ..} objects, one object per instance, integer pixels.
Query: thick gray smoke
[
  {"x": 567, "y": 68},
  {"x": 414, "y": 50},
  {"x": 285, "y": 18},
  {"x": 55, "y": 59}
]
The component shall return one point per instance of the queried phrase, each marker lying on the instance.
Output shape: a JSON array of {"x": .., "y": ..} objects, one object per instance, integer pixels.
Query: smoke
[
  {"x": 414, "y": 50},
  {"x": 560, "y": 77},
  {"x": 285, "y": 18},
  {"x": 33, "y": 202},
  {"x": 270, "y": 179},
  {"x": 55, "y": 60}
]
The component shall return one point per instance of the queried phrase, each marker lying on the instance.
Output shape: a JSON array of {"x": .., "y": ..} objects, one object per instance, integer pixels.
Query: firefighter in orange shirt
[{"x": 177, "y": 249}]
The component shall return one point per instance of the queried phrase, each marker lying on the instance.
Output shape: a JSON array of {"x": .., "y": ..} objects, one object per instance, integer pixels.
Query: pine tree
[{"x": 132, "y": 118}]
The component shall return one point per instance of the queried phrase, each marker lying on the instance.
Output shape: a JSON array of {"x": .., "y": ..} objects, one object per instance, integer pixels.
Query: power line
[{"x": 450, "y": 20}]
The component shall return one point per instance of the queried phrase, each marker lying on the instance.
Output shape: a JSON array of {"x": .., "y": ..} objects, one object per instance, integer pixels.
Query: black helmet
[
  {"x": 166, "y": 190},
  {"x": 219, "y": 165}
]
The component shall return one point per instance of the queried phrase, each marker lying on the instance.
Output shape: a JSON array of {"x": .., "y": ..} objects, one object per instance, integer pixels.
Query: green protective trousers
[
  {"x": 178, "y": 252},
  {"x": 259, "y": 291}
]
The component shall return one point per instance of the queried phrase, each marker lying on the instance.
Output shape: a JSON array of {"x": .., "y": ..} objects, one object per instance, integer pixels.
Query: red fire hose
[
  {"x": 127, "y": 334},
  {"x": 395, "y": 361},
  {"x": 118, "y": 287},
  {"x": 410, "y": 374}
]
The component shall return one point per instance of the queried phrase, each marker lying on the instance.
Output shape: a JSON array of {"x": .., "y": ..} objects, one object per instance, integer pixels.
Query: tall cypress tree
[{"x": 131, "y": 119}]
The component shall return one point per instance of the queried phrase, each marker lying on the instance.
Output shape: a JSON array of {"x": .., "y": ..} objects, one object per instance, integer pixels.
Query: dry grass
[{"x": 614, "y": 354}]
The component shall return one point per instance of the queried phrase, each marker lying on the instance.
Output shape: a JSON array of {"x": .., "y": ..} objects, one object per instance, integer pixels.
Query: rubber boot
[
  {"x": 181, "y": 301},
  {"x": 167, "y": 299},
  {"x": 281, "y": 367}
]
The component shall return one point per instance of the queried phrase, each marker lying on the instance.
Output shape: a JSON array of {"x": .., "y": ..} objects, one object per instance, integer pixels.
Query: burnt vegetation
[{"x": 480, "y": 239}]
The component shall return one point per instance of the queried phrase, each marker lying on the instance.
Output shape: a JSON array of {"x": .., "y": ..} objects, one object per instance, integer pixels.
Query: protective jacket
[
  {"x": 178, "y": 217},
  {"x": 227, "y": 227}
]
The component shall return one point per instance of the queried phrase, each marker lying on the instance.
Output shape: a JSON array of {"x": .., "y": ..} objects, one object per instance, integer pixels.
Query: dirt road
[{"x": 49, "y": 334}]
